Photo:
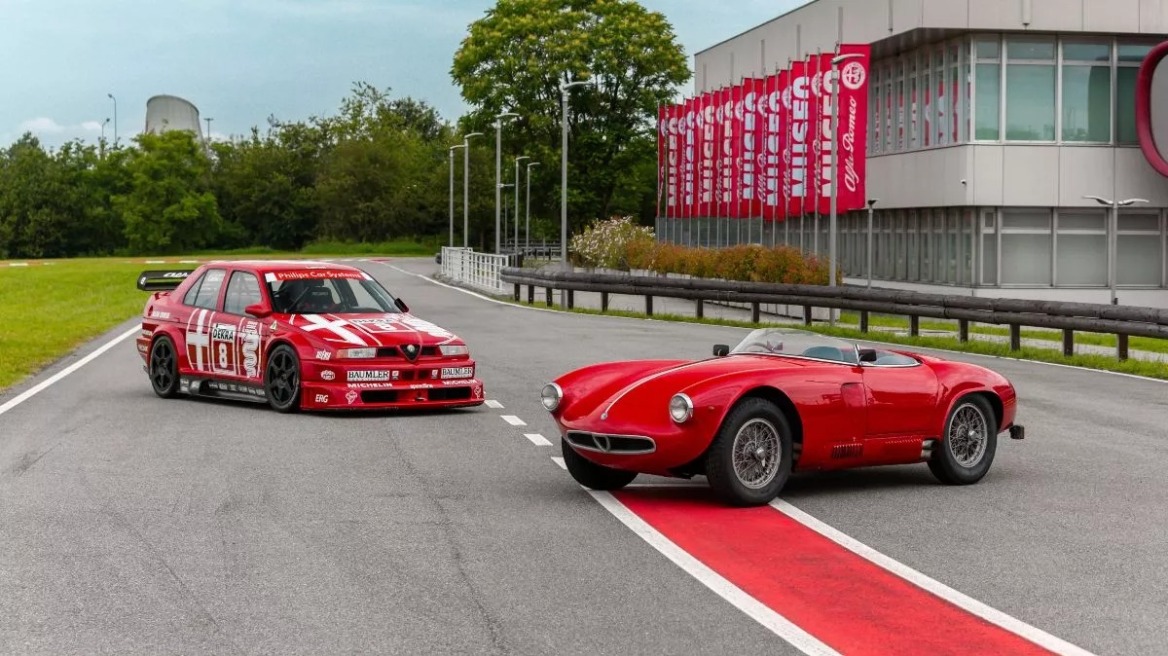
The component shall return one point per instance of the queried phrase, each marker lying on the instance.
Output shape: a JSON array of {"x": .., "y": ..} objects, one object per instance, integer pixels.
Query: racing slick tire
[
  {"x": 967, "y": 447},
  {"x": 164, "y": 367},
  {"x": 282, "y": 379},
  {"x": 592, "y": 475},
  {"x": 759, "y": 434}
]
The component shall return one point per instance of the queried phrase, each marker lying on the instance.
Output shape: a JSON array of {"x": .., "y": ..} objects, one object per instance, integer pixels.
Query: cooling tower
[{"x": 172, "y": 113}]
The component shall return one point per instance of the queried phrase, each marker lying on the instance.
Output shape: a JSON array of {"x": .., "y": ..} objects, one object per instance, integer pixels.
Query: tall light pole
[
  {"x": 1112, "y": 236},
  {"x": 517, "y": 160},
  {"x": 527, "y": 227},
  {"x": 871, "y": 204},
  {"x": 208, "y": 120},
  {"x": 466, "y": 188},
  {"x": 499, "y": 173},
  {"x": 835, "y": 62},
  {"x": 565, "y": 88},
  {"x": 452, "y": 149},
  {"x": 111, "y": 97}
]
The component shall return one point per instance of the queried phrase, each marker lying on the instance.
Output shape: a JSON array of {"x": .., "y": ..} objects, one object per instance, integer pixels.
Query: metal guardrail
[
  {"x": 543, "y": 250},
  {"x": 478, "y": 270},
  {"x": 1122, "y": 321}
]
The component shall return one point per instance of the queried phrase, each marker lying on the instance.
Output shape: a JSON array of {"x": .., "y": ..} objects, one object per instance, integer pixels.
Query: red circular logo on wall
[{"x": 1146, "y": 84}]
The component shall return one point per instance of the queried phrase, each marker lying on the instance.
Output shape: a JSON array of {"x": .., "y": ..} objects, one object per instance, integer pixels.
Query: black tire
[
  {"x": 592, "y": 475},
  {"x": 752, "y": 424},
  {"x": 962, "y": 458},
  {"x": 163, "y": 368},
  {"x": 282, "y": 379}
]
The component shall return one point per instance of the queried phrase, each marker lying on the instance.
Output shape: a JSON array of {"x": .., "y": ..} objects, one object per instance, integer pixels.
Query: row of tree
[{"x": 378, "y": 170}]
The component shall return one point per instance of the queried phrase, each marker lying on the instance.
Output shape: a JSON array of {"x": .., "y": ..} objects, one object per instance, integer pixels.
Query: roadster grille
[{"x": 619, "y": 444}]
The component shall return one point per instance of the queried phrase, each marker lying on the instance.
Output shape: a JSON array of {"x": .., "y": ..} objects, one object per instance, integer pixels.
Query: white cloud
[
  {"x": 91, "y": 126},
  {"x": 41, "y": 125}
]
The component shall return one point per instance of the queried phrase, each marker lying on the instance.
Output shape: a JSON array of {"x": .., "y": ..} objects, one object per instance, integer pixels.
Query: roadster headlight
[
  {"x": 680, "y": 408},
  {"x": 551, "y": 396},
  {"x": 454, "y": 349}
]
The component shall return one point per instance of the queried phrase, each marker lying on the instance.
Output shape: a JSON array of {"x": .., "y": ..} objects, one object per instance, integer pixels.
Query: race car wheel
[
  {"x": 750, "y": 459},
  {"x": 282, "y": 379},
  {"x": 164, "y": 368},
  {"x": 592, "y": 475},
  {"x": 967, "y": 448}
]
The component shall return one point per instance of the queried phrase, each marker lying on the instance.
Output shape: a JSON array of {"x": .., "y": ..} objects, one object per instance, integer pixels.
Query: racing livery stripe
[{"x": 835, "y": 595}]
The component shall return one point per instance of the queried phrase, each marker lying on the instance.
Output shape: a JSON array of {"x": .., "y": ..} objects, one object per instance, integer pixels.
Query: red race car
[
  {"x": 783, "y": 400},
  {"x": 298, "y": 335}
]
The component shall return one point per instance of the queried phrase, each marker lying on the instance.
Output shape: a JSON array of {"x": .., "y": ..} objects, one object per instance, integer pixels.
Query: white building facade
[{"x": 989, "y": 122}]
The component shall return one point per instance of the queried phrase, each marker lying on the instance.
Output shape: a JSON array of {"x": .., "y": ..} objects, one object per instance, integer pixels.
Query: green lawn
[{"x": 49, "y": 309}]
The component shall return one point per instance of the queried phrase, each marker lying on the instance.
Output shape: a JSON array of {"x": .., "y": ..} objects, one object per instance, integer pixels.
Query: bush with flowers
[{"x": 620, "y": 244}]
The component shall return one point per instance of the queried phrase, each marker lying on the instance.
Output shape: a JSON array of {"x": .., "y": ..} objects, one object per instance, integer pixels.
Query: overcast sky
[{"x": 240, "y": 61}]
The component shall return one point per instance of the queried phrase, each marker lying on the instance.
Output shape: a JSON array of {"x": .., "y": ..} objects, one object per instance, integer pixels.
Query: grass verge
[{"x": 1053, "y": 355}]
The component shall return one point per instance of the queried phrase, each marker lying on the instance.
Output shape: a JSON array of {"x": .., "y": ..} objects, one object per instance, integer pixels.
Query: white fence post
[{"x": 478, "y": 270}]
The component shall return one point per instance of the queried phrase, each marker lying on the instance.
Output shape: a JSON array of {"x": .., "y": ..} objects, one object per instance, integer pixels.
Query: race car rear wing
[{"x": 161, "y": 280}]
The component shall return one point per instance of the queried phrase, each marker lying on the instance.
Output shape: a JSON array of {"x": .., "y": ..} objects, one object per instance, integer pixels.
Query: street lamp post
[
  {"x": 1112, "y": 236},
  {"x": 208, "y": 120},
  {"x": 871, "y": 204},
  {"x": 564, "y": 95},
  {"x": 517, "y": 160},
  {"x": 111, "y": 97},
  {"x": 452, "y": 149},
  {"x": 466, "y": 188},
  {"x": 499, "y": 173},
  {"x": 527, "y": 227},
  {"x": 835, "y": 62}
]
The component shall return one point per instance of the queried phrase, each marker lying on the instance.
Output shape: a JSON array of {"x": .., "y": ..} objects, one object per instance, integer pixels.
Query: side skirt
[{"x": 222, "y": 389}]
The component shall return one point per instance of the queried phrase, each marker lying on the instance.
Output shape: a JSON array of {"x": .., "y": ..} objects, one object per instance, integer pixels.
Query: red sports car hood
[{"x": 371, "y": 330}]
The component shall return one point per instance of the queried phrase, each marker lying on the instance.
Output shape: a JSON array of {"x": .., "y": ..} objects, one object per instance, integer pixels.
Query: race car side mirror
[
  {"x": 401, "y": 305},
  {"x": 258, "y": 310},
  {"x": 721, "y": 350}
]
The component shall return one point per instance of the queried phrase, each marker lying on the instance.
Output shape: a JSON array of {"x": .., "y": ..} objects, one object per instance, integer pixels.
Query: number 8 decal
[{"x": 223, "y": 355}]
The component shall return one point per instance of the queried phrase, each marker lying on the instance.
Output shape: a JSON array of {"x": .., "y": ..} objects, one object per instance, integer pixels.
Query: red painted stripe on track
[{"x": 849, "y": 603}]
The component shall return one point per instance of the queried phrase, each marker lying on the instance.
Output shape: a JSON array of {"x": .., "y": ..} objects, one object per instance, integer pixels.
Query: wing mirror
[
  {"x": 258, "y": 310},
  {"x": 401, "y": 305},
  {"x": 721, "y": 350}
]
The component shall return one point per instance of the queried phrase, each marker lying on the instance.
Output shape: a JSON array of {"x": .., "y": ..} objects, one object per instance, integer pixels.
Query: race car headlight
[
  {"x": 551, "y": 396},
  {"x": 454, "y": 349},
  {"x": 681, "y": 408},
  {"x": 358, "y": 353}
]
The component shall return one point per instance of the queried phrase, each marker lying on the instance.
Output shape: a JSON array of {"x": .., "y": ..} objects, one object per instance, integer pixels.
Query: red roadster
[
  {"x": 783, "y": 400},
  {"x": 298, "y": 335}
]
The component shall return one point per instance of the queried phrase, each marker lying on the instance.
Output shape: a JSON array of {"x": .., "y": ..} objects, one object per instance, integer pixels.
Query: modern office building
[{"x": 990, "y": 120}]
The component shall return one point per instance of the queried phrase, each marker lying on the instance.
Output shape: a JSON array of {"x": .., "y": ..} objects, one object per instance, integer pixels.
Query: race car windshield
[
  {"x": 342, "y": 294},
  {"x": 778, "y": 341}
]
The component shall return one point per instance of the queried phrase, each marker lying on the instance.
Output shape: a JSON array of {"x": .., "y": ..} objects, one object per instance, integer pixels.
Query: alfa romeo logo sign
[{"x": 853, "y": 75}]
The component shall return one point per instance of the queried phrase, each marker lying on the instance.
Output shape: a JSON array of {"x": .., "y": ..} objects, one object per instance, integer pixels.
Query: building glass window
[
  {"x": 926, "y": 232},
  {"x": 1081, "y": 248},
  {"x": 901, "y": 248},
  {"x": 968, "y": 230},
  {"x": 989, "y": 248},
  {"x": 1086, "y": 91},
  {"x": 888, "y": 113},
  {"x": 914, "y": 112},
  {"x": 1139, "y": 249},
  {"x": 1026, "y": 247},
  {"x": 914, "y": 252},
  {"x": 1129, "y": 56},
  {"x": 988, "y": 86},
  {"x": 1030, "y": 89},
  {"x": 874, "y": 134}
]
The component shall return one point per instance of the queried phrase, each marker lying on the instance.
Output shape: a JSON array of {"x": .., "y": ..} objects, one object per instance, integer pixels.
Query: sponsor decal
[
  {"x": 142, "y": 348},
  {"x": 324, "y": 355},
  {"x": 369, "y": 385},
  {"x": 327, "y": 374},
  {"x": 222, "y": 332},
  {"x": 313, "y": 274},
  {"x": 235, "y": 388},
  {"x": 421, "y": 386},
  {"x": 251, "y": 348},
  {"x": 351, "y": 397},
  {"x": 478, "y": 391},
  {"x": 158, "y": 314},
  {"x": 322, "y": 398},
  {"x": 396, "y": 374},
  {"x": 458, "y": 372},
  {"x": 364, "y": 376}
]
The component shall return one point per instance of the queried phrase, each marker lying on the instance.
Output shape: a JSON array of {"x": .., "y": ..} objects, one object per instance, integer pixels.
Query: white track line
[
  {"x": 559, "y": 461},
  {"x": 904, "y": 347},
  {"x": 27, "y": 394},
  {"x": 537, "y": 439},
  {"x": 776, "y": 623},
  {"x": 513, "y": 420},
  {"x": 969, "y": 604},
  {"x": 494, "y": 404}
]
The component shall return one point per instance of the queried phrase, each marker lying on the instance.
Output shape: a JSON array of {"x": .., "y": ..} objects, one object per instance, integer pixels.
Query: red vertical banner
[
  {"x": 675, "y": 158},
  {"x": 748, "y": 146},
  {"x": 785, "y": 149},
  {"x": 706, "y": 140},
  {"x": 822, "y": 110},
  {"x": 689, "y": 165},
  {"x": 726, "y": 169},
  {"x": 662, "y": 154},
  {"x": 799, "y": 101},
  {"x": 850, "y": 162}
]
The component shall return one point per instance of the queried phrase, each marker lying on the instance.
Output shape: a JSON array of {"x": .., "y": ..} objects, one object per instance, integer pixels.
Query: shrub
[{"x": 611, "y": 244}]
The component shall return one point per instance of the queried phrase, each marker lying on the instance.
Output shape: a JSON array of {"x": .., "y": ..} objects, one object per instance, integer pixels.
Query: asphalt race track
[{"x": 135, "y": 525}]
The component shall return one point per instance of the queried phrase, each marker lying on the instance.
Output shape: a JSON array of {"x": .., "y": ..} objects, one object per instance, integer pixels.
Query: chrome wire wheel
[
  {"x": 968, "y": 435},
  {"x": 757, "y": 453},
  {"x": 283, "y": 377}
]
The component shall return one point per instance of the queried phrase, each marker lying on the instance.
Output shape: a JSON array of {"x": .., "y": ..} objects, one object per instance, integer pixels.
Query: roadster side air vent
[
  {"x": 843, "y": 451},
  {"x": 616, "y": 444}
]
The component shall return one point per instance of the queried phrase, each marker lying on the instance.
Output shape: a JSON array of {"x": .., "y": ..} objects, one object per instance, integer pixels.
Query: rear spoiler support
[{"x": 162, "y": 280}]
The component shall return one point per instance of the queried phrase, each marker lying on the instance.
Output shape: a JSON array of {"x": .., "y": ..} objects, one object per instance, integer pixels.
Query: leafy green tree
[
  {"x": 169, "y": 207},
  {"x": 518, "y": 54}
]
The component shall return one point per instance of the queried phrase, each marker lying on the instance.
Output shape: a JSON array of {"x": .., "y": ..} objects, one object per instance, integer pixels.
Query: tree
[{"x": 518, "y": 54}]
